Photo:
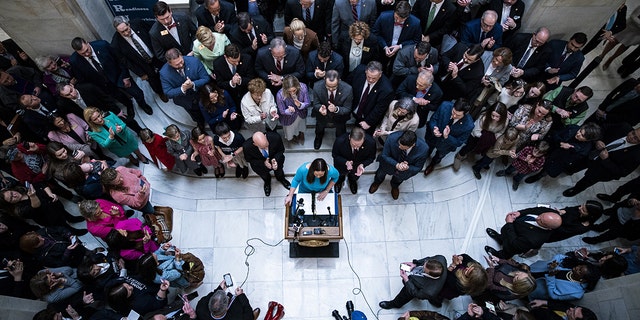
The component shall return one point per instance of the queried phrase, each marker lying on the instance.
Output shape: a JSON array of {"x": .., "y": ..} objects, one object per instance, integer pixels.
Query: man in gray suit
[
  {"x": 413, "y": 59},
  {"x": 332, "y": 101},
  {"x": 343, "y": 16}
]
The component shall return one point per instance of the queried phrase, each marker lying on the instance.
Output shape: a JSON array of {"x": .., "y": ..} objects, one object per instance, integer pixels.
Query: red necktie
[
  {"x": 354, "y": 12},
  {"x": 332, "y": 97},
  {"x": 397, "y": 24},
  {"x": 363, "y": 101},
  {"x": 279, "y": 66},
  {"x": 171, "y": 26}
]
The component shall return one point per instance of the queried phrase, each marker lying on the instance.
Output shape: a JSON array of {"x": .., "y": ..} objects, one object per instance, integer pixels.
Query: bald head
[
  {"x": 260, "y": 140},
  {"x": 540, "y": 37},
  {"x": 549, "y": 220}
]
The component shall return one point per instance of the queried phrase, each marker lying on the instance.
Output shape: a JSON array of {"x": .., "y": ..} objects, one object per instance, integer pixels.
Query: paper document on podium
[{"x": 321, "y": 206}]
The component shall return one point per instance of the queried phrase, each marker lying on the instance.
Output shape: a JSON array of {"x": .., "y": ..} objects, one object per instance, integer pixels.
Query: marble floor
[{"x": 234, "y": 228}]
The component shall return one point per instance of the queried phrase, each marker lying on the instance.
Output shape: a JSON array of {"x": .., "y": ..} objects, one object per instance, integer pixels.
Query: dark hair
[
  {"x": 614, "y": 266},
  {"x": 147, "y": 268},
  {"x": 204, "y": 97},
  {"x": 579, "y": 37},
  {"x": 160, "y": 8},
  {"x": 117, "y": 241},
  {"x": 543, "y": 147},
  {"x": 73, "y": 175},
  {"x": 331, "y": 75},
  {"x": 462, "y": 104},
  {"x": 594, "y": 210},
  {"x": 172, "y": 54},
  {"x": 408, "y": 138},
  {"x": 47, "y": 314},
  {"x": 591, "y": 277},
  {"x": 318, "y": 165},
  {"x": 475, "y": 50},
  {"x": 324, "y": 49},
  {"x": 403, "y": 9},
  {"x": 196, "y": 132},
  {"x": 145, "y": 134},
  {"x": 108, "y": 180},
  {"x": 592, "y": 131},
  {"x": 244, "y": 19},
  {"x": 498, "y": 107},
  {"x": 587, "y": 91},
  {"x": 77, "y": 43},
  {"x": 423, "y": 47},
  {"x": 232, "y": 51},
  {"x": 542, "y": 103},
  {"x": 222, "y": 128},
  {"x": 55, "y": 146},
  {"x": 587, "y": 314},
  {"x": 118, "y": 298}
]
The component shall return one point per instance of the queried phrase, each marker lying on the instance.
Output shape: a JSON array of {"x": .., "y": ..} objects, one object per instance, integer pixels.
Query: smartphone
[
  {"x": 227, "y": 280},
  {"x": 74, "y": 153},
  {"x": 27, "y": 185},
  {"x": 616, "y": 250},
  {"x": 5, "y": 264},
  {"x": 74, "y": 239},
  {"x": 405, "y": 267},
  {"x": 490, "y": 306},
  {"x": 307, "y": 233},
  {"x": 141, "y": 182}
]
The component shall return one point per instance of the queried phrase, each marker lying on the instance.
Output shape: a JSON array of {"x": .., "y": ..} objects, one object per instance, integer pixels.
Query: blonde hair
[
  {"x": 289, "y": 82},
  {"x": 475, "y": 282},
  {"x": 171, "y": 131},
  {"x": 520, "y": 287},
  {"x": 205, "y": 36},
  {"x": 359, "y": 28},
  {"x": 297, "y": 24},
  {"x": 256, "y": 85},
  {"x": 87, "y": 113}
]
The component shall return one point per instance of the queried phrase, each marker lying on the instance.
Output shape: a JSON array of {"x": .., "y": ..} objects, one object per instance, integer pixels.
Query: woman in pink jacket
[
  {"x": 131, "y": 239},
  {"x": 101, "y": 215},
  {"x": 128, "y": 187}
]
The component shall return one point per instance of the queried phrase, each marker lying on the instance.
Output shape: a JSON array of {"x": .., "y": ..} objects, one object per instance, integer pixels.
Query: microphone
[
  {"x": 313, "y": 205},
  {"x": 349, "y": 307},
  {"x": 336, "y": 315}
]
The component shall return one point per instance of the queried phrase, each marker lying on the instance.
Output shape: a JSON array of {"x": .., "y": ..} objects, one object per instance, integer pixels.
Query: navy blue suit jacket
[
  {"x": 292, "y": 63},
  {"x": 470, "y": 34},
  {"x": 391, "y": 154},
  {"x": 459, "y": 131},
  {"x": 172, "y": 81},
  {"x": 113, "y": 73},
  {"x": 383, "y": 29},
  {"x": 407, "y": 89},
  {"x": 570, "y": 67},
  {"x": 335, "y": 63}
]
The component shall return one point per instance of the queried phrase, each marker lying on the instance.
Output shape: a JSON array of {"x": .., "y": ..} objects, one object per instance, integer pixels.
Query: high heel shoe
[
  {"x": 280, "y": 313},
  {"x": 270, "y": 311}
]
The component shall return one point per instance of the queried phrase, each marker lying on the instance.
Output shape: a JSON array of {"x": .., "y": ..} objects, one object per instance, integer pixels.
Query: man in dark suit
[
  {"x": 132, "y": 46},
  {"x": 251, "y": 33},
  {"x": 233, "y": 71},
  {"x": 265, "y": 153},
  {"x": 217, "y": 15},
  {"x": 513, "y": 20},
  {"x": 449, "y": 128},
  {"x": 343, "y": 16},
  {"x": 622, "y": 221},
  {"x": 332, "y": 100},
  {"x": 620, "y": 105},
  {"x": 351, "y": 154},
  {"x": 372, "y": 93},
  {"x": 182, "y": 77},
  {"x": 19, "y": 80},
  {"x": 402, "y": 157},
  {"x": 615, "y": 23},
  {"x": 322, "y": 60},
  {"x": 424, "y": 92},
  {"x": 565, "y": 60},
  {"x": 530, "y": 54},
  {"x": 413, "y": 59},
  {"x": 619, "y": 155},
  {"x": 461, "y": 70},
  {"x": 276, "y": 61},
  {"x": 316, "y": 15},
  {"x": 560, "y": 310},
  {"x": 524, "y": 230},
  {"x": 36, "y": 115},
  {"x": 96, "y": 63},
  {"x": 483, "y": 31},
  {"x": 435, "y": 25},
  {"x": 170, "y": 31},
  {"x": 386, "y": 26}
]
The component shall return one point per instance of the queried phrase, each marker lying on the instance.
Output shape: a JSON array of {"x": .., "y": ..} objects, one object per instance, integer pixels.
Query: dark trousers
[
  {"x": 380, "y": 175},
  {"x": 154, "y": 82},
  {"x": 403, "y": 297},
  {"x": 265, "y": 173},
  {"x": 136, "y": 93},
  {"x": 485, "y": 161},
  {"x": 322, "y": 122},
  {"x": 518, "y": 176},
  {"x": 627, "y": 188},
  {"x": 613, "y": 227}
]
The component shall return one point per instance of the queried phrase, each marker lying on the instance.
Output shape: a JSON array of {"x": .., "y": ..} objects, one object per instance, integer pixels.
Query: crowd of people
[{"x": 376, "y": 71}]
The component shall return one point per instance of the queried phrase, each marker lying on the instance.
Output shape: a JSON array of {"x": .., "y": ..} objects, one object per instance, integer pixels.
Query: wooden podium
[{"x": 314, "y": 236}]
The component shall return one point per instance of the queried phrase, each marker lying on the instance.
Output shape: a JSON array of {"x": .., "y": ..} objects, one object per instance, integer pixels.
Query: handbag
[
  {"x": 161, "y": 223},
  {"x": 193, "y": 268}
]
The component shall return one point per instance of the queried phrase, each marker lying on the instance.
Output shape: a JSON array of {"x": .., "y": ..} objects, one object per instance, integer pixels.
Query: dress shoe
[
  {"x": 570, "y": 192},
  {"x": 77, "y": 232},
  {"x": 535, "y": 177},
  {"x": 494, "y": 235},
  {"x": 245, "y": 172},
  {"x": 267, "y": 189},
  {"x": 530, "y": 253},
  {"x": 73, "y": 219},
  {"x": 338, "y": 186},
  {"x": 146, "y": 108},
  {"x": 395, "y": 193},
  {"x": 204, "y": 169},
  {"x": 317, "y": 143},
  {"x": 457, "y": 161},
  {"x": 476, "y": 173},
  {"x": 429, "y": 169},
  {"x": 238, "y": 172},
  {"x": 374, "y": 187},
  {"x": 501, "y": 173},
  {"x": 515, "y": 185},
  {"x": 256, "y": 313},
  {"x": 491, "y": 251},
  {"x": 198, "y": 172},
  {"x": 164, "y": 98},
  {"x": 285, "y": 183},
  {"x": 606, "y": 197},
  {"x": 353, "y": 186},
  {"x": 143, "y": 160},
  {"x": 134, "y": 161},
  {"x": 386, "y": 305},
  {"x": 591, "y": 240}
]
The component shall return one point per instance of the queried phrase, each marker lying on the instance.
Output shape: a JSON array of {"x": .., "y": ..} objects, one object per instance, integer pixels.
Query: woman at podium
[{"x": 315, "y": 176}]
